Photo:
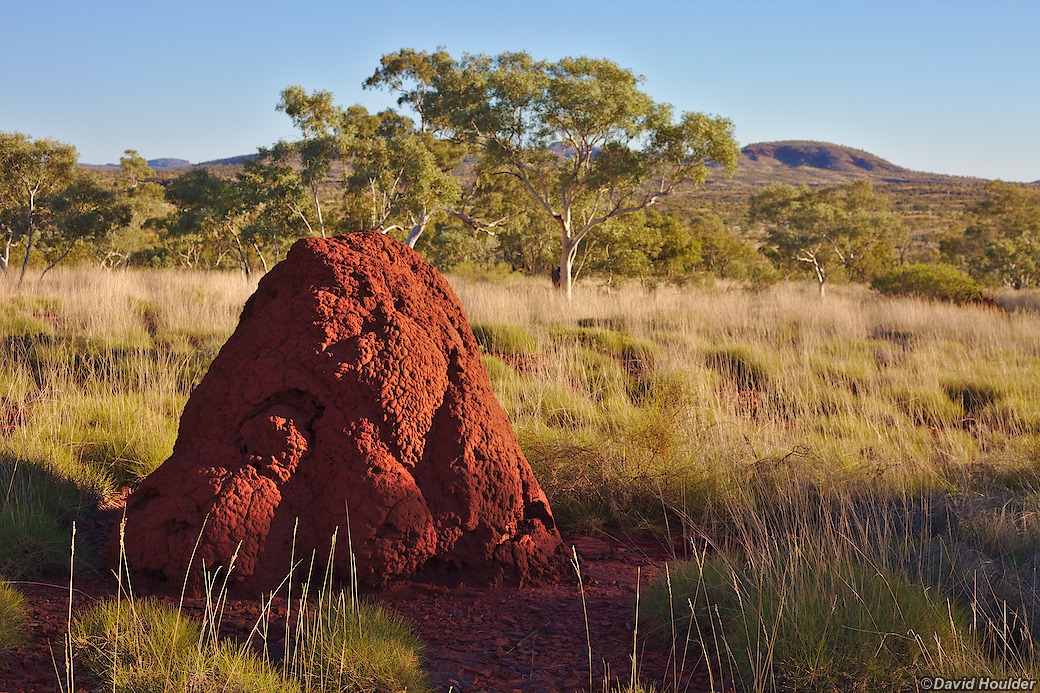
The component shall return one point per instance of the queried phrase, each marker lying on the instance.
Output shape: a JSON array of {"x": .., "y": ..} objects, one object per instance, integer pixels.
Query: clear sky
[{"x": 944, "y": 86}]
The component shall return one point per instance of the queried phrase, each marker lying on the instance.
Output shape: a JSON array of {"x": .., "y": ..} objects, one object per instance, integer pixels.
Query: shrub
[{"x": 932, "y": 282}]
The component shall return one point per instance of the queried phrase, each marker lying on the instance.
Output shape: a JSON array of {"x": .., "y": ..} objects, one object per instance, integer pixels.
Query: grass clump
[
  {"x": 928, "y": 406},
  {"x": 146, "y": 645},
  {"x": 12, "y": 618},
  {"x": 740, "y": 366},
  {"x": 339, "y": 645},
  {"x": 505, "y": 340},
  {"x": 348, "y": 645},
  {"x": 810, "y": 616},
  {"x": 972, "y": 396},
  {"x": 636, "y": 355},
  {"x": 37, "y": 509}
]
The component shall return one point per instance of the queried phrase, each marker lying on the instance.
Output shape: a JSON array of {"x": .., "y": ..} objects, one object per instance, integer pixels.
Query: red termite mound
[{"x": 352, "y": 389}]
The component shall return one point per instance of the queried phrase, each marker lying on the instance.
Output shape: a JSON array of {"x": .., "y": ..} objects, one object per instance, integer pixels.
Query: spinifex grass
[
  {"x": 332, "y": 641},
  {"x": 12, "y": 618},
  {"x": 687, "y": 410}
]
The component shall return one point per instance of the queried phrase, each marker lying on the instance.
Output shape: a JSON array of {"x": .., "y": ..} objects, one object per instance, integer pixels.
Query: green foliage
[
  {"x": 12, "y": 618},
  {"x": 81, "y": 212},
  {"x": 399, "y": 177},
  {"x": 214, "y": 216},
  {"x": 848, "y": 228},
  {"x": 516, "y": 109},
  {"x": 1001, "y": 243},
  {"x": 647, "y": 246},
  {"x": 454, "y": 246},
  {"x": 933, "y": 282},
  {"x": 32, "y": 173}
]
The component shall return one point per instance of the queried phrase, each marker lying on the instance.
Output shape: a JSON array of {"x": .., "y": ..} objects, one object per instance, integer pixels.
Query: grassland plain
[{"x": 856, "y": 480}]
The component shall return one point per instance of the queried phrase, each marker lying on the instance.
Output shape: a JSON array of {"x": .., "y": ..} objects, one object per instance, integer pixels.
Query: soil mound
[{"x": 352, "y": 391}]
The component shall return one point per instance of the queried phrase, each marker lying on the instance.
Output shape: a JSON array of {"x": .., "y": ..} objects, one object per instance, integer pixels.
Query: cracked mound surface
[{"x": 352, "y": 386}]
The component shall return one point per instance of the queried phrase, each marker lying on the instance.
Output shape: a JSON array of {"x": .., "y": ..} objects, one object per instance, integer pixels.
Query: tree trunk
[
  {"x": 317, "y": 208},
  {"x": 263, "y": 260},
  {"x": 243, "y": 258},
  {"x": 60, "y": 258},
  {"x": 566, "y": 266},
  {"x": 5, "y": 260},
  {"x": 30, "y": 233},
  {"x": 417, "y": 230}
]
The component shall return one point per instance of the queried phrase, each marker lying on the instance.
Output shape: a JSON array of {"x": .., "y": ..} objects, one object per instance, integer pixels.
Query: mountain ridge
[{"x": 794, "y": 162}]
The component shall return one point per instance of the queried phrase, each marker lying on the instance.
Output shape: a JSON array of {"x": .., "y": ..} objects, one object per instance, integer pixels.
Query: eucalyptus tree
[
  {"x": 1001, "y": 238},
  {"x": 210, "y": 212},
  {"x": 847, "y": 227},
  {"x": 30, "y": 171},
  {"x": 146, "y": 201},
  {"x": 584, "y": 142},
  {"x": 399, "y": 177},
  {"x": 281, "y": 205},
  {"x": 319, "y": 121},
  {"x": 82, "y": 212},
  {"x": 134, "y": 168}
]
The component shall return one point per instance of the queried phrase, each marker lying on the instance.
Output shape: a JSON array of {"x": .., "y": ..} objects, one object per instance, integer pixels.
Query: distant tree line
[{"x": 492, "y": 163}]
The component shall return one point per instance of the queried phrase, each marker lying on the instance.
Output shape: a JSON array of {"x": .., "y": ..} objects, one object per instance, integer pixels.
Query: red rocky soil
[{"x": 497, "y": 639}]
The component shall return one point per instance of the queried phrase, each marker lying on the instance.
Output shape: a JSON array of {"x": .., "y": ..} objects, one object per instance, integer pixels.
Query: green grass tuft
[
  {"x": 12, "y": 618},
  {"x": 505, "y": 340},
  {"x": 741, "y": 366},
  {"x": 146, "y": 645},
  {"x": 37, "y": 509},
  {"x": 349, "y": 646}
]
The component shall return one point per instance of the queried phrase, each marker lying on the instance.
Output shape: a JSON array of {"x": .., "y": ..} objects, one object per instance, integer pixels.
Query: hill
[
  {"x": 230, "y": 161},
  {"x": 798, "y": 162},
  {"x": 167, "y": 164}
]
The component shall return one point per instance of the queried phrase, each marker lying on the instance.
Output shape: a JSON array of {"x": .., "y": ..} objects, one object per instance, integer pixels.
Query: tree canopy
[
  {"x": 33, "y": 170},
  {"x": 849, "y": 228},
  {"x": 583, "y": 141}
]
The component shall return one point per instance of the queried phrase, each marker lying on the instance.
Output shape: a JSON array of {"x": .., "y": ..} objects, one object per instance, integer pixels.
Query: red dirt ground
[{"x": 477, "y": 639}]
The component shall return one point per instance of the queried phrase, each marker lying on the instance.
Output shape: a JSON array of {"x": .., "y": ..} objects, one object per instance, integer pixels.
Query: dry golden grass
[{"x": 886, "y": 432}]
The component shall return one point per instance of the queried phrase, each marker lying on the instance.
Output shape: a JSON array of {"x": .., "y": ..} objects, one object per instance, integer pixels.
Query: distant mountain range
[
  {"x": 166, "y": 165},
  {"x": 794, "y": 162}
]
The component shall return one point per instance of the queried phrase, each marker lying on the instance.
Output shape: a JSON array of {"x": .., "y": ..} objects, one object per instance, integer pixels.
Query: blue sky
[{"x": 945, "y": 86}]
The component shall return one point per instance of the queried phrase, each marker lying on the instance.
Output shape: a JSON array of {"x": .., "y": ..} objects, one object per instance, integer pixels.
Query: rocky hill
[{"x": 820, "y": 163}]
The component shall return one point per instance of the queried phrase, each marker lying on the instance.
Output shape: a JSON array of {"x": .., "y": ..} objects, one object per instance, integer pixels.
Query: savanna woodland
[{"x": 812, "y": 375}]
